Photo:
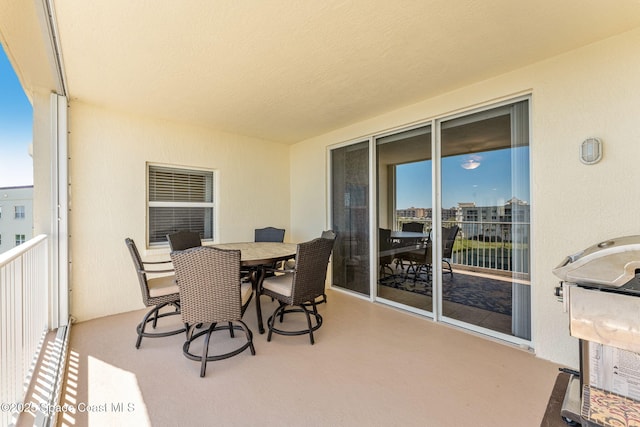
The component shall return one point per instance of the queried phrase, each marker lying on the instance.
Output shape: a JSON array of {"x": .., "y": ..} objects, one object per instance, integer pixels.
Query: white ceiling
[{"x": 289, "y": 70}]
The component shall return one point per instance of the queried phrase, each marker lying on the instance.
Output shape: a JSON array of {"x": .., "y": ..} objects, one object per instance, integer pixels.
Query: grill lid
[{"x": 608, "y": 264}]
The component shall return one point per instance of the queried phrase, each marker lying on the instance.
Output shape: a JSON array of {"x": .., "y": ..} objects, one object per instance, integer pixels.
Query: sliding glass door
[
  {"x": 485, "y": 200},
  {"x": 404, "y": 193},
  {"x": 450, "y": 209},
  {"x": 350, "y": 207}
]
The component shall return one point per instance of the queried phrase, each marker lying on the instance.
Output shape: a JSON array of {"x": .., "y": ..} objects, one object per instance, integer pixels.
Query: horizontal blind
[
  {"x": 179, "y": 185},
  {"x": 171, "y": 191}
]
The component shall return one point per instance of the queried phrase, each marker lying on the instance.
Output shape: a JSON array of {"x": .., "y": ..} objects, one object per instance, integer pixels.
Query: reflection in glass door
[
  {"x": 404, "y": 217},
  {"x": 452, "y": 234},
  {"x": 485, "y": 220}
]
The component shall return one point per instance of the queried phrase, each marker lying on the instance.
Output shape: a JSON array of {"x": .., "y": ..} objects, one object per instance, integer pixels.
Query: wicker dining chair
[
  {"x": 291, "y": 264},
  {"x": 211, "y": 293},
  {"x": 296, "y": 290},
  {"x": 268, "y": 234},
  {"x": 182, "y": 240},
  {"x": 158, "y": 290}
]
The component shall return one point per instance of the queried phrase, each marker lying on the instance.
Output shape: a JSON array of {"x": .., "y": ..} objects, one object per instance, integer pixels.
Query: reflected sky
[{"x": 488, "y": 184}]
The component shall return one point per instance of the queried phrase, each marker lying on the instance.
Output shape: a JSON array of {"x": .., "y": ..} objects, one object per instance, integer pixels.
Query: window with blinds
[{"x": 179, "y": 199}]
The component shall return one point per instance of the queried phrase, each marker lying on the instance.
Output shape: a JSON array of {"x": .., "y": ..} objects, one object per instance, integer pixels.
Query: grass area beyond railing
[{"x": 501, "y": 246}]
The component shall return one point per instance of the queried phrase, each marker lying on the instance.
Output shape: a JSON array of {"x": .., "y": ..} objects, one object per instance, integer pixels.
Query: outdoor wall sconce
[{"x": 591, "y": 151}]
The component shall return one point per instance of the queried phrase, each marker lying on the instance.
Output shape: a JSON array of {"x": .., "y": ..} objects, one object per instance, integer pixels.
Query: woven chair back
[
  {"x": 312, "y": 259},
  {"x": 209, "y": 283},
  {"x": 269, "y": 234},
  {"x": 329, "y": 234},
  {"x": 182, "y": 240}
]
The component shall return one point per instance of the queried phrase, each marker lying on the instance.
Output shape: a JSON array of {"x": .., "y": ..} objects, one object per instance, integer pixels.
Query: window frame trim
[{"x": 149, "y": 204}]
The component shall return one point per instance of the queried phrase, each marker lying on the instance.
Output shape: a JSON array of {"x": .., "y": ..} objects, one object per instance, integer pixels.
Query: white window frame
[
  {"x": 19, "y": 212},
  {"x": 151, "y": 204}
]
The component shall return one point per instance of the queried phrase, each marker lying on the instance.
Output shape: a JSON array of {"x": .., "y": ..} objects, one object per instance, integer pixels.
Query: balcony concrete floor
[{"x": 371, "y": 365}]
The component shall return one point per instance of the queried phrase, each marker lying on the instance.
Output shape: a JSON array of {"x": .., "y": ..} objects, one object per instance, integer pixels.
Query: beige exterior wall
[
  {"x": 594, "y": 91},
  {"x": 590, "y": 92},
  {"x": 109, "y": 151}
]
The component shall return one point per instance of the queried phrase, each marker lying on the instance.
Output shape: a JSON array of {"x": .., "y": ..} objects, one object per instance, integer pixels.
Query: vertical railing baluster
[{"x": 23, "y": 317}]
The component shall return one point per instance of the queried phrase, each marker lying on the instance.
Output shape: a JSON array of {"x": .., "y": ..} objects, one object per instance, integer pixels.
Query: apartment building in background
[{"x": 16, "y": 216}]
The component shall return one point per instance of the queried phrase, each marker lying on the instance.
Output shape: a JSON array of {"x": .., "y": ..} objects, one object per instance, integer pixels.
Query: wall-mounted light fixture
[{"x": 591, "y": 151}]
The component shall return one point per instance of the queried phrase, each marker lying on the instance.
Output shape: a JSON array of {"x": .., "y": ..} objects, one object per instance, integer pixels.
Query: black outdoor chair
[
  {"x": 269, "y": 234},
  {"x": 182, "y": 240},
  {"x": 211, "y": 293},
  {"x": 296, "y": 290},
  {"x": 158, "y": 290}
]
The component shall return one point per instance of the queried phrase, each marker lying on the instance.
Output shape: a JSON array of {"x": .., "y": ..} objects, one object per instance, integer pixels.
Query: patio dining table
[{"x": 254, "y": 256}]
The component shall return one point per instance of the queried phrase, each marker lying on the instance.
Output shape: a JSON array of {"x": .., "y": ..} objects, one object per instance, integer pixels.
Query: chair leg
[
  {"x": 249, "y": 336},
  {"x": 272, "y": 320},
  {"x": 306, "y": 312},
  {"x": 205, "y": 350},
  {"x": 231, "y": 330},
  {"x": 282, "y": 309},
  {"x": 142, "y": 325},
  {"x": 152, "y": 317},
  {"x": 187, "y": 343}
]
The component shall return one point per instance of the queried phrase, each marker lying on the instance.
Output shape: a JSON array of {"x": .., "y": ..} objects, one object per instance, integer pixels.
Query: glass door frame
[
  {"x": 437, "y": 218},
  {"x": 435, "y": 123},
  {"x": 374, "y": 220}
]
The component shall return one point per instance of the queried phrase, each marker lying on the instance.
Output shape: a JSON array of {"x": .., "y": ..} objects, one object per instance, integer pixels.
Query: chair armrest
[
  {"x": 141, "y": 270},
  {"x": 157, "y": 262},
  {"x": 278, "y": 270}
]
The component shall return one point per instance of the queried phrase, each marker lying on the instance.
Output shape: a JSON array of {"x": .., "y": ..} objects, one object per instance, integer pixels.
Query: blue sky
[
  {"x": 16, "y": 129},
  {"x": 490, "y": 184}
]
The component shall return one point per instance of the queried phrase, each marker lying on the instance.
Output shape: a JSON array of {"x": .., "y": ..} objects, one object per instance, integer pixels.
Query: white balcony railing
[
  {"x": 492, "y": 245},
  {"x": 23, "y": 320}
]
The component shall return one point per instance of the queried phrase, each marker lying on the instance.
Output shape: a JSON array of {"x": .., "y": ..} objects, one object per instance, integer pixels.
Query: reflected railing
[
  {"x": 23, "y": 320},
  {"x": 487, "y": 245}
]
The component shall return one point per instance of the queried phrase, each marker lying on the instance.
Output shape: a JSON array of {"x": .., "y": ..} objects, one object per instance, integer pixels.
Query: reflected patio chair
[
  {"x": 211, "y": 293},
  {"x": 182, "y": 240},
  {"x": 158, "y": 290},
  {"x": 384, "y": 244},
  {"x": 415, "y": 227},
  {"x": 296, "y": 290},
  {"x": 448, "y": 240},
  {"x": 421, "y": 259}
]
